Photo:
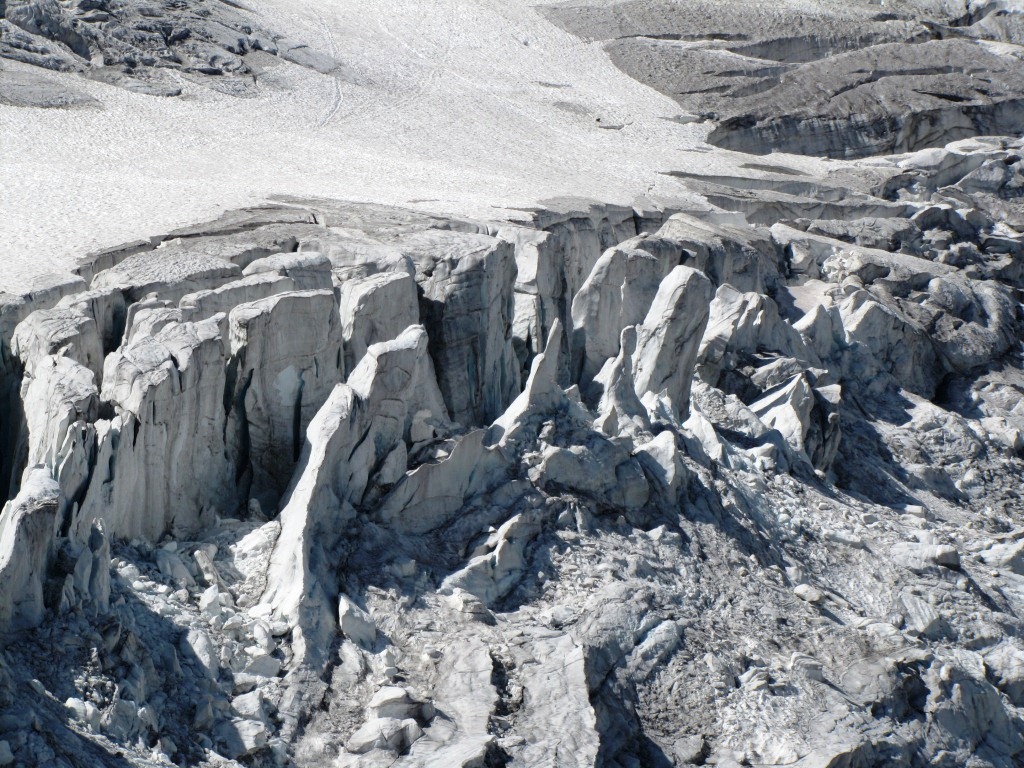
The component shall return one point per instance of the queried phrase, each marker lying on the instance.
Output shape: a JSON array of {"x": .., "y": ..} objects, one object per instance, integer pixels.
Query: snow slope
[{"x": 439, "y": 104}]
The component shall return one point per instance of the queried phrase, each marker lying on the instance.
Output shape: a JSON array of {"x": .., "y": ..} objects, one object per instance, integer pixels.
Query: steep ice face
[{"x": 339, "y": 537}]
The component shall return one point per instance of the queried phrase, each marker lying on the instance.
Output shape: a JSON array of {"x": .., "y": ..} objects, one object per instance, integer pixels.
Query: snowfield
[{"x": 449, "y": 106}]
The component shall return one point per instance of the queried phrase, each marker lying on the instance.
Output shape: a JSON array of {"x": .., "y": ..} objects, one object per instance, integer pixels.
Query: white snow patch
[{"x": 443, "y": 105}]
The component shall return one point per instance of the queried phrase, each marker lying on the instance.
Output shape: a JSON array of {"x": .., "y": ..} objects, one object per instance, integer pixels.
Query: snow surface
[{"x": 453, "y": 106}]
